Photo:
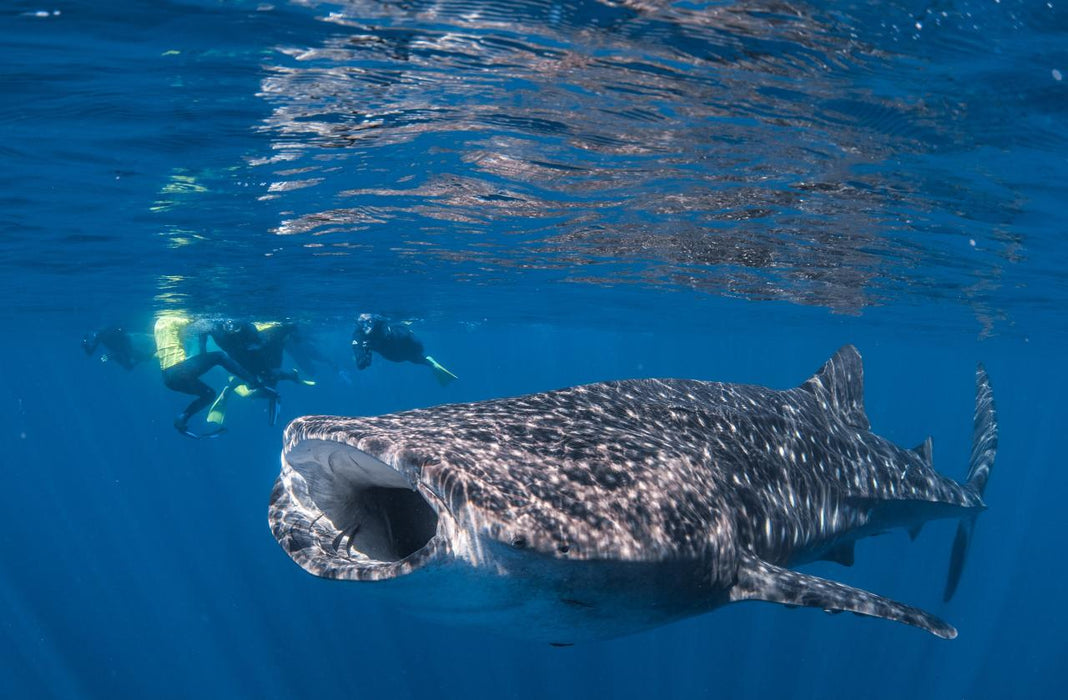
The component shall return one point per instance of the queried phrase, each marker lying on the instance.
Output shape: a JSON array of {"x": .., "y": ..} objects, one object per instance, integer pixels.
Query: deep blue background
[
  {"x": 135, "y": 562},
  {"x": 139, "y": 563}
]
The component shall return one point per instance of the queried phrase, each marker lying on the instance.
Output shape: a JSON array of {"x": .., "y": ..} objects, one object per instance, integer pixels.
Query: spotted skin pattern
[{"x": 735, "y": 482}]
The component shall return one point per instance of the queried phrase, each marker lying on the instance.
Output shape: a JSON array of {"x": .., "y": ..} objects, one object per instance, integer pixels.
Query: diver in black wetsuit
[
  {"x": 258, "y": 347},
  {"x": 393, "y": 341},
  {"x": 243, "y": 342},
  {"x": 118, "y": 345}
]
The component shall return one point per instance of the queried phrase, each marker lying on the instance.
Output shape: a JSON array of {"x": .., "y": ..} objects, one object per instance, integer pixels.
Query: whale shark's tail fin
[{"x": 984, "y": 447}]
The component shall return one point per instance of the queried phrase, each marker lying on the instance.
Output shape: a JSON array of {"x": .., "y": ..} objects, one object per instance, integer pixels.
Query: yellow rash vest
[{"x": 170, "y": 347}]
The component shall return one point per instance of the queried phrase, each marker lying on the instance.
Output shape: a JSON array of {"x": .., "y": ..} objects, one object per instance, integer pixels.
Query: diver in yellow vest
[{"x": 181, "y": 372}]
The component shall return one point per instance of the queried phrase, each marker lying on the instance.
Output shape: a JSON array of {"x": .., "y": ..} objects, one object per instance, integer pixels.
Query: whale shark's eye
[
  {"x": 519, "y": 542},
  {"x": 564, "y": 548}
]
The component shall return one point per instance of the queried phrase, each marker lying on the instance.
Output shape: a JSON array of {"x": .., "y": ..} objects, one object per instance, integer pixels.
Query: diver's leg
[
  {"x": 231, "y": 366},
  {"x": 278, "y": 375},
  {"x": 205, "y": 396},
  {"x": 184, "y": 378},
  {"x": 196, "y": 365}
]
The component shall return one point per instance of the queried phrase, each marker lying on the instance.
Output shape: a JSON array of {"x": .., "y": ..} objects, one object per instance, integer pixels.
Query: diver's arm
[{"x": 361, "y": 352}]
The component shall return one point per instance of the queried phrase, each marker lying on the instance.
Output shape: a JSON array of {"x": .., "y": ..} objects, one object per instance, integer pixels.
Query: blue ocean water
[{"x": 553, "y": 192}]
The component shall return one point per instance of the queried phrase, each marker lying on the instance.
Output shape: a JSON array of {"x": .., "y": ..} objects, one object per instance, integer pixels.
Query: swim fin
[
  {"x": 272, "y": 410},
  {"x": 181, "y": 426},
  {"x": 217, "y": 412},
  {"x": 294, "y": 376},
  {"x": 210, "y": 434},
  {"x": 444, "y": 376}
]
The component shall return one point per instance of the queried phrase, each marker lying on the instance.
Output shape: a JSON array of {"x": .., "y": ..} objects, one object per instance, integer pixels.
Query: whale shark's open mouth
[{"x": 342, "y": 512}]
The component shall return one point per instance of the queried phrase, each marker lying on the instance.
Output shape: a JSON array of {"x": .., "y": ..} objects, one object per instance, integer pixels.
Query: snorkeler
[
  {"x": 182, "y": 373},
  {"x": 120, "y": 346},
  {"x": 257, "y": 347},
  {"x": 393, "y": 341}
]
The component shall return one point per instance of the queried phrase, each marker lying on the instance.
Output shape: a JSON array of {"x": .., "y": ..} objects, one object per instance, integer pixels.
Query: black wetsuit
[
  {"x": 395, "y": 342},
  {"x": 258, "y": 351},
  {"x": 118, "y": 344},
  {"x": 184, "y": 377}
]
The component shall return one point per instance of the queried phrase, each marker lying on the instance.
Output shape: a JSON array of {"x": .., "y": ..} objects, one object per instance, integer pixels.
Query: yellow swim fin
[
  {"x": 444, "y": 376},
  {"x": 300, "y": 380},
  {"x": 217, "y": 412}
]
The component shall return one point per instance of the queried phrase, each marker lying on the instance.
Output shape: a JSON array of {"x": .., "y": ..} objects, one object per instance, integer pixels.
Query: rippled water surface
[{"x": 426, "y": 156}]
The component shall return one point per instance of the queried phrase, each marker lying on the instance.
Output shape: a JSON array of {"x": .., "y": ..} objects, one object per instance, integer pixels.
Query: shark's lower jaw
[{"x": 342, "y": 513}]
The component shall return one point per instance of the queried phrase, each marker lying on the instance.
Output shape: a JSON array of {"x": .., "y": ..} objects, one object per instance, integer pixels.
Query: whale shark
[{"x": 605, "y": 509}]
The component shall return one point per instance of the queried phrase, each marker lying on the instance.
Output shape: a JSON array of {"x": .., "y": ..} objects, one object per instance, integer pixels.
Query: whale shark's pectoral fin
[{"x": 759, "y": 580}]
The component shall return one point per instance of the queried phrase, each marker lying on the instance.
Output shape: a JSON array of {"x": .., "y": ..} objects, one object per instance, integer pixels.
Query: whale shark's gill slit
[{"x": 374, "y": 514}]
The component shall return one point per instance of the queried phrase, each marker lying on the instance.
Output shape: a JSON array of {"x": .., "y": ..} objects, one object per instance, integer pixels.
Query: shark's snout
[{"x": 353, "y": 509}]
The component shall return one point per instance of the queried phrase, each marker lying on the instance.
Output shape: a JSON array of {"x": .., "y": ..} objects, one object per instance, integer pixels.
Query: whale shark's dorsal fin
[
  {"x": 759, "y": 580},
  {"x": 925, "y": 451},
  {"x": 839, "y": 385}
]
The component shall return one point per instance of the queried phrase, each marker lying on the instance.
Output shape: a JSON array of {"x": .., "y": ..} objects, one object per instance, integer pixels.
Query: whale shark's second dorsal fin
[
  {"x": 759, "y": 580},
  {"x": 839, "y": 386}
]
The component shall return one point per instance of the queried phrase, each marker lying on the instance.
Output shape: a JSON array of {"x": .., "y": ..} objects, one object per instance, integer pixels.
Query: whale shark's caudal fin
[
  {"x": 839, "y": 387},
  {"x": 984, "y": 447},
  {"x": 759, "y": 580}
]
